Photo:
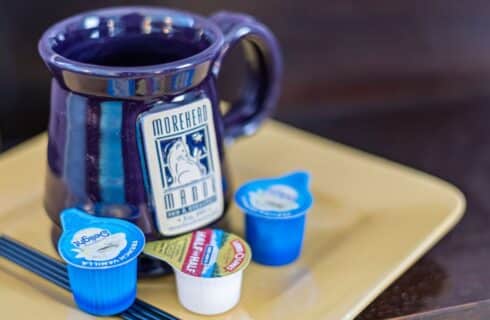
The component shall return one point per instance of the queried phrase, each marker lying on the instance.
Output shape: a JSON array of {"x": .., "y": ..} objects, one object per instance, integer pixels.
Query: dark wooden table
[{"x": 407, "y": 80}]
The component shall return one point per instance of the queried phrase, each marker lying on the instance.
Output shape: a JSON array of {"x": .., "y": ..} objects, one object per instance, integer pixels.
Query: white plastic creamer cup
[
  {"x": 208, "y": 296},
  {"x": 208, "y": 266}
]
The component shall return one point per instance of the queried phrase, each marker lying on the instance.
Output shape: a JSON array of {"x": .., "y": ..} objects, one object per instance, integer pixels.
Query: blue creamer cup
[
  {"x": 101, "y": 256},
  {"x": 275, "y": 212}
]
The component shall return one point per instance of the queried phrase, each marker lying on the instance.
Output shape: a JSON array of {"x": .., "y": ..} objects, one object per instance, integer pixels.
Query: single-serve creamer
[{"x": 208, "y": 267}]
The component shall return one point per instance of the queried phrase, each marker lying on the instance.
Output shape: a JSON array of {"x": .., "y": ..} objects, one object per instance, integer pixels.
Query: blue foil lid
[
  {"x": 276, "y": 198},
  {"x": 98, "y": 243}
]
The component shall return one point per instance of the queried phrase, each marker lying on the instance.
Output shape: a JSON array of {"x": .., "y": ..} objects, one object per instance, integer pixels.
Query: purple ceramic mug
[{"x": 135, "y": 130}]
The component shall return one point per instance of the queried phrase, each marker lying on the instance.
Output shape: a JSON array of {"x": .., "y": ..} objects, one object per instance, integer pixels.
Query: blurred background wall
[{"x": 341, "y": 57}]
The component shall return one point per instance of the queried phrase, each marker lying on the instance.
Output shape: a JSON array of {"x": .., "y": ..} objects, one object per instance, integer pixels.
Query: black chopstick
[
  {"x": 148, "y": 310},
  {"x": 39, "y": 263},
  {"x": 35, "y": 268},
  {"x": 46, "y": 265},
  {"x": 62, "y": 282}
]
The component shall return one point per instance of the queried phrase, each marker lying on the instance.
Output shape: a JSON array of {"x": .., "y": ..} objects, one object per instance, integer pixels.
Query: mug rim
[{"x": 61, "y": 62}]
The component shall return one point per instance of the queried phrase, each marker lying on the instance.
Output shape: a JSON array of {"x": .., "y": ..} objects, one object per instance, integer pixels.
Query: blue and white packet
[
  {"x": 101, "y": 254},
  {"x": 275, "y": 211}
]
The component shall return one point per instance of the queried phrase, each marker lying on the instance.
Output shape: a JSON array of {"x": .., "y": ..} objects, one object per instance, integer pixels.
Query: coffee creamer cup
[
  {"x": 208, "y": 267},
  {"x": 275, "y": 214},
  {"x": 101, "y": 256}
]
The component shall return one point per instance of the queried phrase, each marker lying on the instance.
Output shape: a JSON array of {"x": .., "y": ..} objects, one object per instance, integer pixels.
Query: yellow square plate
[{"x": 370, "y": 221}]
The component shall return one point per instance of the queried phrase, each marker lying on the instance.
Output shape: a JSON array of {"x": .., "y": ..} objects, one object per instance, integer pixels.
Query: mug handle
[{"x": 264, "y": 69}]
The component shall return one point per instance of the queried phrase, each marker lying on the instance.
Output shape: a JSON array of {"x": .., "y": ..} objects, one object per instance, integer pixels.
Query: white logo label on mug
[{"x": 184, "y": 167}]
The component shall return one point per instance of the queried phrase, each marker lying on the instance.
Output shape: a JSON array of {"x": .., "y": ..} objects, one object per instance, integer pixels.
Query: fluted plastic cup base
[
  {"x": 208, "y": 296},
  {"x": 274, "y": 242},
  {"x": 104, "y": 292},
  {"x": 113, "y": 308}
]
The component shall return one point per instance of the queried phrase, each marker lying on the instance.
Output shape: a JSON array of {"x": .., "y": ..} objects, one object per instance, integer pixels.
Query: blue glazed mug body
[{"x": 135, "y": 129}]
